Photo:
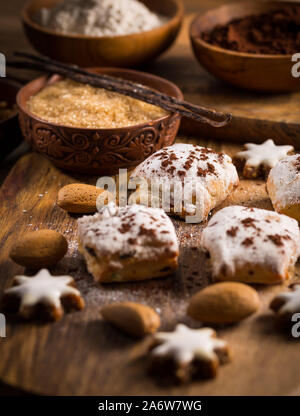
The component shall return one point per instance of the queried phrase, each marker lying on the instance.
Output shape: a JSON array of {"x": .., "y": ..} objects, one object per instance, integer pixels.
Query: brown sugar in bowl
[
  {"x": 113, "y": 51},
  {"x": 257, "y": 72},
  {"x": 98, "y": 151}
]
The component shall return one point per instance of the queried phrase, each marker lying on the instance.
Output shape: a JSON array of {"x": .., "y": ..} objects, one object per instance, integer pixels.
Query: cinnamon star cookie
[
  {"x": 258, "y": 159},
  {"x": 42, "y": 296},
  {"x": 187, "y": 353}
]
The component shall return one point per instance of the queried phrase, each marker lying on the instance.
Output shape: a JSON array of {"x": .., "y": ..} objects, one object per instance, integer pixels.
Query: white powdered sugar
[
  {"x": 284, "y": 182},
  {"x": 136, "y": 231},
  {"x": 238, "y": 236},
  {"x": 99, "y": 17},
  {"x": 207, "y": 175}
]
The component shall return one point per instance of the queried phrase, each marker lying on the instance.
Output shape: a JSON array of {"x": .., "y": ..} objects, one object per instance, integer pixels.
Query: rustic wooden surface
[{"x": 83, "y": 355}]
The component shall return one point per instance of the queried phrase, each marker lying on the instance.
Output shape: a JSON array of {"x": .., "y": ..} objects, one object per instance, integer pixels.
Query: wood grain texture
[{"x": 81, "y": 354}]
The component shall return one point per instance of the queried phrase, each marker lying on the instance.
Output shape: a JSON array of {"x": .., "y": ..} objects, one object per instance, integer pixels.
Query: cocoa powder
[{"x": 276, "y": 32}]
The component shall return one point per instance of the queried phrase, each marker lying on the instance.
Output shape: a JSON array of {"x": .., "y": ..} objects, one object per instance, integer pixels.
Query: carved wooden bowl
[
  {"x": 258, "y": 72},
  {"x": 118, "y": 51},
  {"x": 98, "y": 151}
]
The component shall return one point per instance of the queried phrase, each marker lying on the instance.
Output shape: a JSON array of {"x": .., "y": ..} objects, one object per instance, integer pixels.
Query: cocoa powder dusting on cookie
[
  {"x": 201, "y": 172},
  {"x": 132, "y": 240},
  {"x": 211, "y": 168},
  {"x": 188, "y": 163},
  {"x": 276, "y": 239},
  {"x": 171, "y": 170},
  {"x": 232, "y": 231},
  {"x": 297, "y": 164},
  {"x": 146, "y": 231},
  {"x": 203, "y": 157},
  {"x": 248, "y": 222},
  {"x": 124, "y": 228},
  {"x": 165, "y": 163},
  {"x": 247, "y": 242}
]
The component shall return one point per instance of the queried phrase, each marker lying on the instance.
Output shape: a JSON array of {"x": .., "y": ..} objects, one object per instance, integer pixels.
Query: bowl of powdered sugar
[{"x": 120, "y": 33}]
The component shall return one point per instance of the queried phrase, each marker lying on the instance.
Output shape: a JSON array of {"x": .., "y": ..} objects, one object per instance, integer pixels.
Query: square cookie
[
  {"x": 128, "y": 243},
  {"x": 251, "y": 245}
]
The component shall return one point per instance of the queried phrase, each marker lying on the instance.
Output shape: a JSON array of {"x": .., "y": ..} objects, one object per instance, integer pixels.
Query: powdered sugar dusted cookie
[
  {"x": 258, "y": 159},
  {"x": 251, "y": 245},
  {"x": 42, "y": 296},
  {"x": 188, "y": 353},
  {"x": 283, "y": 186},
  {"x": 208, "y": 178},
  {"x": 287, "y": 303},
  {"x": 128, "y": 243}
]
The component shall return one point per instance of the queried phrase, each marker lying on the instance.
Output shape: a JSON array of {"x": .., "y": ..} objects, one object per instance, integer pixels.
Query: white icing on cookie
[
  {"x": 185, "y": 344},
  {"x": 267, "y": 154},
  {"x": 284, "y": 182},
  {"x": 43, "y": 287},
  {"x": 134, "y": 230},
  {"x": 237, "y": 236},
  {"x": 291, "y": 301},
  {"x": 208, "y": 174}
]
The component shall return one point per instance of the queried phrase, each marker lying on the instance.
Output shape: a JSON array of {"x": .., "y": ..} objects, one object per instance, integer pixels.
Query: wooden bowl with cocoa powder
[
  {"x": 97, "y": 150},
  {"x": 252, "y": 71},
  {"x": 113, "y": 51}
]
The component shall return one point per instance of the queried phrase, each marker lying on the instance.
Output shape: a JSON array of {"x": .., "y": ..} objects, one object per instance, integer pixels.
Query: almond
[
  {"x": 225, "y": 302},
  {"x": 39, "y": 249},
  {"x": 79, "y": 198},
  {"x": 133, "y": 318}
]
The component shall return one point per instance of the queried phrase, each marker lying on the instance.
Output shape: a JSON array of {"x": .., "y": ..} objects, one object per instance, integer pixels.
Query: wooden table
[{"x": 83, "y": 355}]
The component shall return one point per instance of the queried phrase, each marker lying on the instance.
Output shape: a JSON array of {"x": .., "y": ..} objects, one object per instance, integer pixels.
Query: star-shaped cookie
[
  {"x": 42, "y": 296},
  {"x": 287, "y": 303},
  {"x": 258, "y": 159},
  {"x": 188, "y": 353}
]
